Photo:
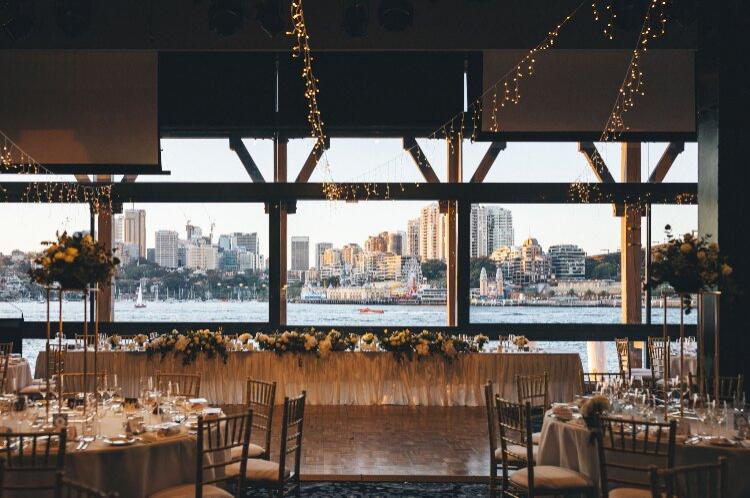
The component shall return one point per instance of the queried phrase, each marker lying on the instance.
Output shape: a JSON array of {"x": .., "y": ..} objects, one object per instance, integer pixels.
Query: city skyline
[{"x": 595, "y": 228}]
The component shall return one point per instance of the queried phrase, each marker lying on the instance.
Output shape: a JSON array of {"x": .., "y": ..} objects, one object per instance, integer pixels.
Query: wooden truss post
[
  {"x": 454, "y": 176},
  {"x": 630, "y": 238},
  {"x": 105, "y": 298},
  {"x": 277, "y": 227}
]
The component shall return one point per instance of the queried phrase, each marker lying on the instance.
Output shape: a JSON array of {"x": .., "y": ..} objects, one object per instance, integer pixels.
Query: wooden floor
[{"x": 393, "y": 443}]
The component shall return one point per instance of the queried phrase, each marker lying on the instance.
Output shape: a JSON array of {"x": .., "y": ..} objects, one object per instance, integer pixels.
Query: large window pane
[{"x": 376, "y": 263}]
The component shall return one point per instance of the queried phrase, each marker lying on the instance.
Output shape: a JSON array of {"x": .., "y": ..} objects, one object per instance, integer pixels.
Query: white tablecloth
[
  {"x": 349, "y": 378},
  {"x": 569, "y": 445},
  {"x": 20, "y": 373}
]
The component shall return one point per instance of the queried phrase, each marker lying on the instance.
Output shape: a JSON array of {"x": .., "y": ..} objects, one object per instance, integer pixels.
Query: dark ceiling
[{"x": 437, "y": 25}]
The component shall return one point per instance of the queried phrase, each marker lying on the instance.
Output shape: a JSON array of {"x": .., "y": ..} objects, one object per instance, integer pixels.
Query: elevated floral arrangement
[
  {"x": 402, "y": 343},
  {"x": 73, "y": 262},
  {"x": 189, "y": 345},
  {"x": 690, "y": 264}
]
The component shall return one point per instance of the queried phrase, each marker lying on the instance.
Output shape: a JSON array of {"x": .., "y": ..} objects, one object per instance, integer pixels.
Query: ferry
[{"x": 371, "y": 310}]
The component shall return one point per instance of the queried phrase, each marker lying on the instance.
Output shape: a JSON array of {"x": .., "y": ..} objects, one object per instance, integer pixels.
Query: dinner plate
[{"x": 119, "y": 441}]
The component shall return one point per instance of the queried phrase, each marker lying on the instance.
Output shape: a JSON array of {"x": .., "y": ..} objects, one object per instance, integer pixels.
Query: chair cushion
[
  {"x": 550, "y": 479},
  {"x": 253, "y": 451},
  {"x": 188, "y": 491},
  {"x": 258, "y": 470},
  {"x": 630, "y": 493},
  {"x": 516, "y": 450},
  {"x": 536, "y": 437}
]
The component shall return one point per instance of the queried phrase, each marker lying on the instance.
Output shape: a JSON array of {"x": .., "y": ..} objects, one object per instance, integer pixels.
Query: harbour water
[{"x": 337, "y": 315}]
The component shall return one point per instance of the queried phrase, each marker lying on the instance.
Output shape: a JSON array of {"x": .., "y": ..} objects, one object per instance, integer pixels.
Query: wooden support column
[
  {"x": 463, "y": 250},
  {"x": 454, "y": 176},
  {"x": 105, "y": 299},
  {"x": 278, "y": 240},
  {"x": 630, "y": 238}
]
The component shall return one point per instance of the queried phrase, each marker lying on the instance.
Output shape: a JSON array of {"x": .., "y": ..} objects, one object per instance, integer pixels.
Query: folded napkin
[
  {"x": 159, "y": 436},
  {"x": 562, "y": 412}
]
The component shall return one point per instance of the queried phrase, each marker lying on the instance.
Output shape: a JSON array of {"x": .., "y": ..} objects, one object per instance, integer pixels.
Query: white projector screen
[
  {"x": 81, "y": 107},
  {"x": 573, "y": 91}
]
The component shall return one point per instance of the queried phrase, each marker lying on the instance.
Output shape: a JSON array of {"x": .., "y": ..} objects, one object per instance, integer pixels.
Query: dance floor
[{"x": 392, "y": 443}]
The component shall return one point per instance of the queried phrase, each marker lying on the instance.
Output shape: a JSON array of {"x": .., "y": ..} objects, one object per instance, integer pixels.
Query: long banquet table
[{"x": 348, "y": 378}]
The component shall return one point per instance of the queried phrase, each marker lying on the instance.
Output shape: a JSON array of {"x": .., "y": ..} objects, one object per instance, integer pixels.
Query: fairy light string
[{"x": 14, "y": 160}]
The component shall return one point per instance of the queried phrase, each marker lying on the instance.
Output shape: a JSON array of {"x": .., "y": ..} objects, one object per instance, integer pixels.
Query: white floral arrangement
[{"x": 114, "y": 341}]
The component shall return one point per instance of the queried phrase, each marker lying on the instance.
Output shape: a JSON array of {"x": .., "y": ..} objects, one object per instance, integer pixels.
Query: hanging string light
[{"x": 14, "y": 160}]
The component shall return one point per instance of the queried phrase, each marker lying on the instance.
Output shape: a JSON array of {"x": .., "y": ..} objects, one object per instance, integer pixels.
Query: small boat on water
[
  {"x": 371, "y": 310},
  {"x": 139, "y": 301}
]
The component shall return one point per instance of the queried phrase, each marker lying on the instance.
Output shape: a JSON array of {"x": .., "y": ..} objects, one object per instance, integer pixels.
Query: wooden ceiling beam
[
  {"x": 666, "y": 161},
  {"x": 595, "y": 160},
  {"x": 236, "y": 144},
  {"x": 487, "y": 161},
  {"x": 420, "y": 159},
  {"x": 312, "y": 162}
]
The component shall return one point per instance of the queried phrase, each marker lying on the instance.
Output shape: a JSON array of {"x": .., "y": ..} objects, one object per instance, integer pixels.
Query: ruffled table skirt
[{"x": 348, "y": 378}]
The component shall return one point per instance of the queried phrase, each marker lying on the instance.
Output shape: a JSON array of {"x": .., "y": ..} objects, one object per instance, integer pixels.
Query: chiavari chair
[
  {"x": 260, "y": 396},
  {"x": 535, "y": 390},
  {"x": 29, "y": 462},
  {"x": 65, "y": 488},
  {"x": 622, "y": 345},
  {"x": 514, "y": 422},
  {"x": 658, "y": 355},
  {"x": 74, "y": 384},
  {"x": 279, "y": 478},
  {"x": 80, "y": 338},
  {"x": 590, "y": 381},
  {"x": 183, "y": 384},
  {"x": 496, "y": 458},
  {"x": 691, "y": 481},
  {"x": 619, "y": 441},
  {"x": 55, "y": 365},
  {"x": 730, "y": 387},
  {"x": 214, "y": 472},
  {"x": 6, "y": 348}
]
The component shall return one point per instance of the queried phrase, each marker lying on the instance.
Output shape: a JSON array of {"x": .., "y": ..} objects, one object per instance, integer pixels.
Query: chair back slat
[
  {"x": 590, "y": 381},
  {"x": 183, "y": 384},
  {"x": 291, "y": 432},
  {"x": 730, "y": 387},
  {"x": 489, "y": 401},
  {"x": 534, "y": 389},
  {"x": 692, "y": 481},
  {"x": 81, "y": 338},
  {"x": 261, "y": 396},
  {"x": 34, "y": 457},
  {"x": 6, "y": 348},
  {"x": 658, "y": 352},
  {"x": 215, "y": 439},
  {"x": 652, "y": 442}
]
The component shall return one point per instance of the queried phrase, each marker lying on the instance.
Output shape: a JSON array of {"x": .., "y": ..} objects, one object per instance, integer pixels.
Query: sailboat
[{"x": 139, "y": 302}]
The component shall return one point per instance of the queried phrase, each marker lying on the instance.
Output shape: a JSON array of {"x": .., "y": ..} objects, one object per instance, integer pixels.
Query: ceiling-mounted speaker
[
  {"x": 396, "y": 15},
  {"x": 269, "y": 17},
  {"x": 225, "y": 17},
  {"x": 356, "y": 18},
  {"x": 73, "y": 17}
]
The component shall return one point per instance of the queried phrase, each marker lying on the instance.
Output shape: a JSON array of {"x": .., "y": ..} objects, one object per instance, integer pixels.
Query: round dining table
[
  {"x": 19, "y": 373},
  {"x": 568, "y": 443},
  {"x": 139, "y": 469}
]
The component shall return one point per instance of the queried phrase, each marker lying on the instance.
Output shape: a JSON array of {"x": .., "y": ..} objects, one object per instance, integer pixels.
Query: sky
[{"x": 593, "y": 227}]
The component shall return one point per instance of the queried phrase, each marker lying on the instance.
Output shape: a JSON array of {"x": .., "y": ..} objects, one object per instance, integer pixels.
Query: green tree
[
  {"x": 475, "y": 269},
  {"x": 434, "y": 271}
]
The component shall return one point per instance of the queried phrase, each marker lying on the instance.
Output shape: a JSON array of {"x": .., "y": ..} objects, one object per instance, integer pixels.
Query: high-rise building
[
  {"x": 202, "y": 256},
  {"x": 491, "y": 228},
  {"x": 193, "y": 232},
  {"x": 225, "y": 242},
  {"x": 300, "y": 253},
  {"x": 151, "y": 255},
  {"x": 320, "y": 249},
  {"x": 166, "y": 249},
  {"x": 432, "y": 233},
  {"x": 246, "y": 241},
  {"x": 568, "y": 261},
  {"x": 377, "y": 243},
  {"x": 134, "y": 229},
  {"x": 118, "y": 229},
  {"x": 395, "y": 244},
  {"x": 349, "y": 254},
  {"x": 412, "y": 238}
]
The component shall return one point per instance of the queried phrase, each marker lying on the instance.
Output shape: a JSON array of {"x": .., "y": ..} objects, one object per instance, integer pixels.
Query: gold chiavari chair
[
  {"x": 80, "y": 338},
  {"x": 691, "y": 481},
  {"x": 65, "y": 488},
  {"x": 29, "y": 462},
  {"x": 730, "y": 388},
  {"x": 535, "y": 390},
  {"x": 260, "y": 396},
  {"x": 55, "y": 365},
  {"x": 590, "y": 381},
  {"x": 620, "y": 441},
  {"x": 623, "y": 355},
  {"x": 6, "y": 348},
  {"x": 74, "y": 384},
  {"x": 278, "y": 478},
  {"x": 514, "y": 421},
  {"x": 183, "y": 384},
  {"x": 214, "y": 472},
  {"x": 659, "y": 357}
]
